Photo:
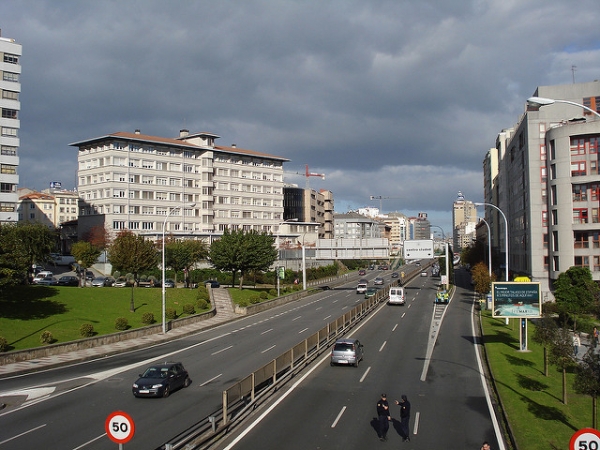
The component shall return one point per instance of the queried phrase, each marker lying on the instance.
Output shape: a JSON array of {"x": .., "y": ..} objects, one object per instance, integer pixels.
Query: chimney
[
  {"x": 184, "y": 133},
  {"x": 137, "y": 131},
  {"x": 233, "y": 146}
]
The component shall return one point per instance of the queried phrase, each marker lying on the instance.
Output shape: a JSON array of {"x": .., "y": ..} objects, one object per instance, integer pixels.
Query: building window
[
  {"x": 8, "y": 169},
  {"x": 10, "y": 132},
  {"x": 10, "y": 76},
  {"x": 11, "y": 59},
  {"x": 578, "y": 169},
  {"x": 543, "y": 174},
  {"x": 580, "y": 240},
  {"x": 147, "y": 225},
  {"x": 9, "y": 150},
  {"x": 118, "y": 224},
  {"x": 581, "y": 261},
  {"x": 580, "y": 215},
  {"x": 10, "y": 95},
  {"x": 577, "y": 146},
  {"x": 9, "y": 113},
  {"x": 579, "y": 193}
]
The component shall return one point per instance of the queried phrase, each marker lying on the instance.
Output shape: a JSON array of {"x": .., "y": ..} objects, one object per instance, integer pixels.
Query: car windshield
[{"x": 153, "y": 372}]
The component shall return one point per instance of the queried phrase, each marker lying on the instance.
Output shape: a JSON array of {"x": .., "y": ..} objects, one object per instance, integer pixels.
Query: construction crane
[
  {"x": 380, "y": 198},
  {"x": 310, "y": 174}
]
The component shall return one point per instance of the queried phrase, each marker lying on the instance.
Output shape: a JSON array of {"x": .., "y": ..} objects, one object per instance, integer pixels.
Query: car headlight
[
  {"x": 135, "y": 385},
  {"x": 156, "y": 386}
]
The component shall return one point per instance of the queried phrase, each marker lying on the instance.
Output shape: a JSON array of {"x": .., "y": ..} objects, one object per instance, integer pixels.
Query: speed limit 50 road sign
[
  {"x": 119, "y": 426},
  {"x": 585, "y": 439}
]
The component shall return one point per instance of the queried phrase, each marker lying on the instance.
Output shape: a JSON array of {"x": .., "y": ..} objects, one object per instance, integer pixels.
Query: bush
[
  {"x": 46, "y": 337},
  {"x": 3, "y": 344},
  {"x": 254, "y": 299},
  {"x": 121, "y": 324},
  {"x": 189, "y": 309},
  {"x": 273, "y": 292},
  {"x": 86, "y": 330},
  {"x": 243, "y": 303},
  {"x": 202, "y": 294},
  {"x": 263, "y": 295},
  {"x": 170, "y": 313},
  {"x": 148, "y": 318},
  {"x": 201, "y": 304}
]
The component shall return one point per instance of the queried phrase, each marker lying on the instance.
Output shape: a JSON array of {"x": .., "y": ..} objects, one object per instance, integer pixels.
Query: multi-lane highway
[
  {"x": 66, "y": 408},
  {"x": 334, "y": 407}
]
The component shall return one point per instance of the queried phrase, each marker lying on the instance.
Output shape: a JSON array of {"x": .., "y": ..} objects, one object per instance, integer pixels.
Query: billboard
[
  {"x": 418, "y": 249},
  {"x": 516, "y": 299}
]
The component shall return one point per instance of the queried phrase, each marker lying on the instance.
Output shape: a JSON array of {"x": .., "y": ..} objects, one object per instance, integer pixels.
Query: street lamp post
[
  {"x": 541, "y": 101},
  {"x": 447, "y": 252},
  {"x": 489, "y": 239},
  {"x": 505, "y": 235},
  {"x": 164, "y": 293}
]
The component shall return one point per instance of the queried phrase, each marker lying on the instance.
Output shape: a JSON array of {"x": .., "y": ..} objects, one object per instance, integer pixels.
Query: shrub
[
  {"x": 189, "y": 309},
  {"x": 263, "y": 295},
  {"x": 3, "y": 344},
  {"x": 170, "y": 313},
  {"x": 273, "y": 292},
  {"x": 86, "y": 330},
  {"x": 243, "y": 303},
  {"x": 148, "y": 318},
  {"x": 254, "y": 299},
  {"x": 46, "y": 337},
  {"x": 202, "y": 293},
  {"x": 201, "y": 304},
  {"x": 121, "y": 324}
]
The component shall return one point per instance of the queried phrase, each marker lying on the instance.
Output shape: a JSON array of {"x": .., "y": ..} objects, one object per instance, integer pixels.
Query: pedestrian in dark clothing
[
  {"x": 383, "y": 415},
  {"x": 404, "y": 417}
]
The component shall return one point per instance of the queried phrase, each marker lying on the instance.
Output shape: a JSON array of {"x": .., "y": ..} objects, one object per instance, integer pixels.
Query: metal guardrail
[{"x": 239, "y": 400}]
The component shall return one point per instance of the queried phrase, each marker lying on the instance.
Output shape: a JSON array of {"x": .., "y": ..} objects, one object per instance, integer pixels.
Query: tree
[
  {"x": 86, "y": 254},
  {"x": 561, "y": 355},
  {"x": 183, "y": 254},
  {"x": 99, "y": 237},
  {"x": 576, "y": 293},
  {"x": 545, "y": 335},
  {"x": 587, "y": 380},
  {"x": 244, "y": 252},
  {"x": 481, "y": 278},
  {"x": 132, "y": 253},
  {"x": 21, "y": 246}
]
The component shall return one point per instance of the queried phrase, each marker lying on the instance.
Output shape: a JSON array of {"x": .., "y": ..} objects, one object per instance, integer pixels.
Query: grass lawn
[
  {"x": 27, "y": 311},
  {"x": 532, "y": 401}
]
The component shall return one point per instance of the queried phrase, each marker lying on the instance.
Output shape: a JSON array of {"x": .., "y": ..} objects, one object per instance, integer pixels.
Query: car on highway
[
  {"x": 68, "y": 280},
  {"x": 378, "y": 281},
  {"x": 161, "y": 379},
  {"x": 347, "y": 352},
  {"x": 424, "y": 273},
  {"x": 103, "y": 281},
  {"x": 394, "y": 274},
  {"x": 370, "y": 292},
  {"x": 362, "y": 272},
  {"x": 361, "y": 288},
  {"x": 396, "y": 296}
]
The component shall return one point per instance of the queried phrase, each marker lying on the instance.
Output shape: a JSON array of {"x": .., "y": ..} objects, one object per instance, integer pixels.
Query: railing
[{"x": 241, "y": 399}]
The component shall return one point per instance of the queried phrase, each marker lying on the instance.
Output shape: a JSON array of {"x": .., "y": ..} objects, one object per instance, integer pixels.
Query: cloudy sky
[{"x": 393, "y": 98}]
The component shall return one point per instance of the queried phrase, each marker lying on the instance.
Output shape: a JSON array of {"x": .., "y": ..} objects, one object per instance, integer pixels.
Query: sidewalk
[{"x": 225, "y": 313}]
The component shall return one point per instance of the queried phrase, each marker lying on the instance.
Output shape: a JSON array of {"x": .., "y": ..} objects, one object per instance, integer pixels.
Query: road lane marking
[
  {"x": 212, "y": 379},
  {"x": 325, "y": 318},
  {"x": 222, "y": 350},
  {"x": 339, "y": 416},
  {"x": 416, "y": 427},
  {"x": 270, "y": 348},
  {"x": 302, "y": 331},
  {"x": 403, "y": 314},
  {"x": 296, "y": 318},
  {"x": 365, "y": 374},
  {"x": 85, "y": 444},
  {"x": 382, "y": 345},
  {"x": 267, "y": 331},
  {"x": 22, "y": 434},
  {"x": 395, "y": 326}
]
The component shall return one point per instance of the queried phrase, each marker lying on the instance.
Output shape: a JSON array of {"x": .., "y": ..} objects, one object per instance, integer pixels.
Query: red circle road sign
[
  {"x": 585, "y": 439},
  {"x": 119, "y": 426}
]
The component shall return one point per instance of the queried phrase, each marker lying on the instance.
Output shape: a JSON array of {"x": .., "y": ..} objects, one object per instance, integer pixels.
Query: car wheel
[
  {"x": 166, "y": 392},
  {"x": 187, "y": 382}
]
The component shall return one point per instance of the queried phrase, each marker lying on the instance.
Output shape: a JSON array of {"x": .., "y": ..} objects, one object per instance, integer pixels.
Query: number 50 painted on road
[
  {"x": 120, "y": 427},
  {"x": 585, "y": 439}
]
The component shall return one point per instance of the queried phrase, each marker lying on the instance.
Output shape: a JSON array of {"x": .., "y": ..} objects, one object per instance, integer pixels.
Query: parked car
[
  {"x": 160, "y": 380},
  {"x": 68, "y": 280},
  {"x": 378, "y": 281},
  {"x": 41, "y": 275},
  {"x": 213, "y": 283},
  {"x": 120, "y": 283},
  {"x": 47, "y": 281},
  {"x": 347, "y": 351},
  {"x": 103, "y": 281}
]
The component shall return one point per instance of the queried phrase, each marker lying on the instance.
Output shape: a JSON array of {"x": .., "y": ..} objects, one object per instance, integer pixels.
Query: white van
[{"x": 396, "y": 296}]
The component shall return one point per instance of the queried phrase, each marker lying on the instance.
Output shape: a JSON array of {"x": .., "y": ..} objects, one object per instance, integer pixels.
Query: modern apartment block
[
  {"x": 10, "y": 86},
  {"x": 464, "y": 220},
  {"x": 310, "y": 206},
  {"x": 188, "y": 184},
  {"x": 548, "y": 185}
]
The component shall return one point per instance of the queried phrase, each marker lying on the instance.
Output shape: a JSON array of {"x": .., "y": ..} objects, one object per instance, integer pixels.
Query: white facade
[
  {"x": 188, "y": 184},
  {"x": 10, "y": 87}
]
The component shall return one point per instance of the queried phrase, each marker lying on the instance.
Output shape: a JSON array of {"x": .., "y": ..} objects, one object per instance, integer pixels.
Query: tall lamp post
[
  {"x": 489, "y": 239},
  {"x": 541, "y": 101},
  {"x": 164, "y": 293},
  {"x": 447, "y": 256},
  {"x": 505, "y": 235}
]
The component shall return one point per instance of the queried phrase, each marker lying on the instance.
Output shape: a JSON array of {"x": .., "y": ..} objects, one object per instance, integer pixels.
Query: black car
[
  {"x": 68, "y": 280},
  {"x": 394, "y": 274},
  {"x": 213, "y": 283},
  {"x": 160, "y": 380}
]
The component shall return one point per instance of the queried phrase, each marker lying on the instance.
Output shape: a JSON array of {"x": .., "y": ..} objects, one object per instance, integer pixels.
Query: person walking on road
[
  {"x": 404, "y": 417},
  {"x": 486, "y": 446},
  {"x": 383, "y": 415},
  {"x": 576, "y": 344}
]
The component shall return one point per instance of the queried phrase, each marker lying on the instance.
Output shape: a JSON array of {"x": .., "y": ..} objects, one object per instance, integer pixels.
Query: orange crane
[{"x": 310, "y": 174}]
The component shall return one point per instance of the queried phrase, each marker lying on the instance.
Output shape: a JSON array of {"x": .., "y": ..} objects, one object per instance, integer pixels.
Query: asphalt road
[
  {"x": 66, "y": 408},
  {"x": 334, "y": 407}
]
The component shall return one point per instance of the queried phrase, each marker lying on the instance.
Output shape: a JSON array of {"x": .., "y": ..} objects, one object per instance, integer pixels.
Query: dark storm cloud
[{"x": 394, "y": 98}]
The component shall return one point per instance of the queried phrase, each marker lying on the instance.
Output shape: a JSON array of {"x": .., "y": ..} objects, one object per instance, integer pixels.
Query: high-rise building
[
  {"x": 10, "y": 86},
  {"x": 464, "y": 220},
  {"x": 548, "y": 185},
  {"x": 189, "y": 185}
]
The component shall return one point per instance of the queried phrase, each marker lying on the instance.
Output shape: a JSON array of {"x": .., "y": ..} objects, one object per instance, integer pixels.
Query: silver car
[{"x": 347, "y": 352}]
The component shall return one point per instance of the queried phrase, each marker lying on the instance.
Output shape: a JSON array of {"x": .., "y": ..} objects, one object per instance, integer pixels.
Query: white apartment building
[
  {"x": 10, "y": 87},
  {"x": 188, "y": 184},
  {"x": 52, "y": 207},
  {"x": 548, "y": 186}
]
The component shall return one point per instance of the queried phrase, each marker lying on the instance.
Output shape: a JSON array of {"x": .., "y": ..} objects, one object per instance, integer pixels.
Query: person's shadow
[
  {"x": 375, "y": 425},
  {"x": 398, "y": 427}
]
